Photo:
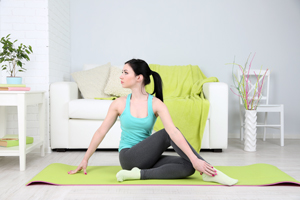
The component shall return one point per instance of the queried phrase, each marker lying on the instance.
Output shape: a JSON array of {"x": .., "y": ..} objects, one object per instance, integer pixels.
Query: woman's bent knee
[{"x": 189, "y": 170}]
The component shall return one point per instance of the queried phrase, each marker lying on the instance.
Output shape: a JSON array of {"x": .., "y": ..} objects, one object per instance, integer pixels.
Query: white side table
[{"x": 22, "y": 99}]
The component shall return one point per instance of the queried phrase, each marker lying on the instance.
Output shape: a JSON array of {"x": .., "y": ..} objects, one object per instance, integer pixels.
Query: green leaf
[
  {"x": 19, "y": 63},
  {"x": 27, "y": 58}
]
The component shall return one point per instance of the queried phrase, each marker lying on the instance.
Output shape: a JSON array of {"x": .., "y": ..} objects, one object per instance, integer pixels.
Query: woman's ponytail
[{"x": 157, "y": 85}]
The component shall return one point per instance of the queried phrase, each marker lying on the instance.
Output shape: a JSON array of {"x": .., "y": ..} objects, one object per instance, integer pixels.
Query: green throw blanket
[{"x": 182, "y": 91}]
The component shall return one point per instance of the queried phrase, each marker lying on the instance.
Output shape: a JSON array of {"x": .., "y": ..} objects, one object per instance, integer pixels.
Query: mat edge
[{"x": 48, "y": 183}]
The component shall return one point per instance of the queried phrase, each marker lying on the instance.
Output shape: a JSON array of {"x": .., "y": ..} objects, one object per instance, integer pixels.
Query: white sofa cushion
[
  {"x": 91, "y": 82},
  {"x": 88, "y": 109},
  {"x": 114, "y": 86}
]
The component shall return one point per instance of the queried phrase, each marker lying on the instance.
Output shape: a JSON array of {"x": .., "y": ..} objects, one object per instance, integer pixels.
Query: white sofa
[{"x": 74, "y": 120}]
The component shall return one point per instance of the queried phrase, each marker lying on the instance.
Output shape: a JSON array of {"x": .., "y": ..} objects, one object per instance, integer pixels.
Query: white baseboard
[
  {"x": 269, "y": 135},
  {"x": 37, "y": 150}
]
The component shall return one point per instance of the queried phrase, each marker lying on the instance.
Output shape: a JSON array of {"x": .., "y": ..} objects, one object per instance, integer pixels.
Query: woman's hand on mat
[
  {"x": 203, "y": 167},
  {"x": 82, "y": 166}
]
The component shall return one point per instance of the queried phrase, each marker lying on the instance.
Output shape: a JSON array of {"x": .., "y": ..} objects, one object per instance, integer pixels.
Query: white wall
[
  {"x": 59, "y": 41},
  {"x": 204, "y": 33}
]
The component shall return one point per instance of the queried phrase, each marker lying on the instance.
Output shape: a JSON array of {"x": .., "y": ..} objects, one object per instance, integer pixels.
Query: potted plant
[{"x": 14, "y": 56}]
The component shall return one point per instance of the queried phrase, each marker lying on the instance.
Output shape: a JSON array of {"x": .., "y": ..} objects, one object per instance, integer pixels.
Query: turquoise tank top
[{"x": 135, "y": 130}]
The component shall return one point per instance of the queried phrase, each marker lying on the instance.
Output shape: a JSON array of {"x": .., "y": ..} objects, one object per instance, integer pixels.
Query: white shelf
[
  {"x": 14, "y": 151},
  {"x": 22, "y": 99}
]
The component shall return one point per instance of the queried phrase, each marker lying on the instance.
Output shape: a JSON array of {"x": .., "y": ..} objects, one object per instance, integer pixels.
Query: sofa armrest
[
  {"x": 61, "y": 93},
  {"x": 217, "y": 95}
]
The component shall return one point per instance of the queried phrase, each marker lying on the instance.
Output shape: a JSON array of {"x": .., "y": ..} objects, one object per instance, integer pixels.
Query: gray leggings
[{"x": 147, "y": 156}]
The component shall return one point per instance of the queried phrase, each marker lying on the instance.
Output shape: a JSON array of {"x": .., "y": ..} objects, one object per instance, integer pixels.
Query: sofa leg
[
  {"x": 61, "y": 150},
  {"x": 217, "y": 150}
]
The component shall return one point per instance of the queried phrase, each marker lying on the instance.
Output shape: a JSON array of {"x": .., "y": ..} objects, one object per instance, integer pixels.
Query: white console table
[{"x": 22, "y": 99}]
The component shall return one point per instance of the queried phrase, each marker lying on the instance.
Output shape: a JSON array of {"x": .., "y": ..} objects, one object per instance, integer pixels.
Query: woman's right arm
[{"x": 108, "y": 122}]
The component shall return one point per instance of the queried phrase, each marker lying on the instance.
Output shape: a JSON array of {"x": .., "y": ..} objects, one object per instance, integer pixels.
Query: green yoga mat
[{"x": 251, "y": 175}]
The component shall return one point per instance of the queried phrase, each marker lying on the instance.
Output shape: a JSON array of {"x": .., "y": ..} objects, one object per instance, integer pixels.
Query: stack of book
[
  {"x": 14, "y": 87},
  {"x": 13, "y": 140}
]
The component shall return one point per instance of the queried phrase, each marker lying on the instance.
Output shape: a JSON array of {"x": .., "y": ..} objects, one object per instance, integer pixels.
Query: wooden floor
[{"x": 287, "y": 158}]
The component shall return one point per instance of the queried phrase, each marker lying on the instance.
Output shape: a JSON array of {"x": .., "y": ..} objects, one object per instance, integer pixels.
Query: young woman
[{"x": 140, "y": 153}]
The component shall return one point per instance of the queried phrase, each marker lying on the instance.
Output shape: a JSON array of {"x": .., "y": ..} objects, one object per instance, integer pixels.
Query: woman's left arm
[{"x": 177, "y": 137}]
